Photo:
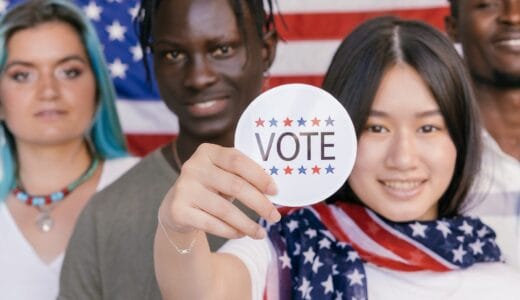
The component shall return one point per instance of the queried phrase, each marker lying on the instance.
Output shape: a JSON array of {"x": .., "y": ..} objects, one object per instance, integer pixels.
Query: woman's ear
[
  {"x": 270, "y": 40},
  {"x": 450, "y": 24}
]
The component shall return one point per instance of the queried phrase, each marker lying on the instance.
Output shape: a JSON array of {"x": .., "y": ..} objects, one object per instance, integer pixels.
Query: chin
[
  {"x": 209, "y": 130},
  {"x": 405, "y": 215}
]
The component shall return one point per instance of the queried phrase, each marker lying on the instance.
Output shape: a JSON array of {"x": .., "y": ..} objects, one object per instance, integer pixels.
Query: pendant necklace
[{"x": 45, "y": 203}]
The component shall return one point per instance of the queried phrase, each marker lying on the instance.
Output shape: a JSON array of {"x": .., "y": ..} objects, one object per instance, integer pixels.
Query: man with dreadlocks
[
  {"x": 489, "y": 33},
  {"x": 209, "y": 60}
]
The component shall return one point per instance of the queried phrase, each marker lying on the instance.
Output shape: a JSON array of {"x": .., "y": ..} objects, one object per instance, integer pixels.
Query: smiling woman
[
  {"x": 62, "y": 139},
  {"x": 393, "y": 231},
  {"x": 408, "y": 157}
]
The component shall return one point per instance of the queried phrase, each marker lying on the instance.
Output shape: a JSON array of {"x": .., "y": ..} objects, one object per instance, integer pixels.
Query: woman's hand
[{"x": 202, "y": 196}]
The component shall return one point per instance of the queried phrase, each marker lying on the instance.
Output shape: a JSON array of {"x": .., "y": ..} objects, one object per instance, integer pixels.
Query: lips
[
  {"x": 508, "y": 42},
  {"x": 403, "y": 188},
  {"x": 50, "y": 113},
  {"x": 209, "y": 106}
]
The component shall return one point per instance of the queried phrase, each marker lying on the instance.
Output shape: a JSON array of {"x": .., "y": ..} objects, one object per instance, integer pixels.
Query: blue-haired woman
[{"x": 60, "y": 139}]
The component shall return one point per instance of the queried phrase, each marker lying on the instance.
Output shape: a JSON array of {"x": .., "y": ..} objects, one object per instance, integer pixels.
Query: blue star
[
  {"x": 273, "y": 122},
  {"x": 329, "y": 121},
  {"x": 274, "y": 170},
  {"x": 330, "y": 169},
  {"x": 302, "y": 170},
  {"x": 301, "y": 122}
]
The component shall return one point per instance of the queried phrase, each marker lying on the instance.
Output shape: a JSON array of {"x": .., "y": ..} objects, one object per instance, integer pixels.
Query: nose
[
  {"x": 200, "y": 73},
  {"x": 48, "y": 86},
  {"x": 511, "y": 12},
  {"x": 402, "y": 152}
]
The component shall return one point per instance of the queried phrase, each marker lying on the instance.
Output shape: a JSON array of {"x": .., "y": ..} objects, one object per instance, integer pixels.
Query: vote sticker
[{"x": 303, "y": 137}]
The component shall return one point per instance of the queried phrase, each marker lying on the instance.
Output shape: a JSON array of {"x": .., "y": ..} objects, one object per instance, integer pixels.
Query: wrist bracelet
[{"x": 181, "y": 251}]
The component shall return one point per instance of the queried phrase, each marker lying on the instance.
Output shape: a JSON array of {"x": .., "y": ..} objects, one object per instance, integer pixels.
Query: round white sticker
[{"x": 303, "y": 137}]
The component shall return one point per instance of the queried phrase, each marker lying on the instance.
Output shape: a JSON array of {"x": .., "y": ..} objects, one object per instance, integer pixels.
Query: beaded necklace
[{"x": 45, "y": 203}]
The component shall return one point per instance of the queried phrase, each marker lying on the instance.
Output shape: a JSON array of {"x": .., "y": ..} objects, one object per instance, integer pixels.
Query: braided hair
[{"x": 262, "y": 14}]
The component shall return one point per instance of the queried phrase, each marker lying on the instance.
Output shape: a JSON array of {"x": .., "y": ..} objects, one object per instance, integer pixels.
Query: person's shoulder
[
  {"x": 151, "y": 172},
  {"x": 115, "y": 168},
  {"x": 495, "y": 275},
  {"x": 494, "y": 269},
  {"x": 121, "y": 163}
]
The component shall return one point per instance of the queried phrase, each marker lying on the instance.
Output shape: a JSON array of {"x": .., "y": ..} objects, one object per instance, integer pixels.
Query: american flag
[
  {"x": 314, "y": 30},
  {"x": 321, "y": 250}
]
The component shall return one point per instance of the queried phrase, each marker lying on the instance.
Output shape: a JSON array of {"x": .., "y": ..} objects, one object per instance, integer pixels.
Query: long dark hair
[{"x": 359, "y": 64}]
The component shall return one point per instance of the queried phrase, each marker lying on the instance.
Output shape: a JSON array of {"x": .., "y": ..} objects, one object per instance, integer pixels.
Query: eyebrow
[
  {"x": 423, "y": 114},
  {"x": 63, "y": 60}
]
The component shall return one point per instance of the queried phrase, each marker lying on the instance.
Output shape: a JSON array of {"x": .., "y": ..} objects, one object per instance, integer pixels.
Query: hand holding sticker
[{"x": 303, "y": 137}]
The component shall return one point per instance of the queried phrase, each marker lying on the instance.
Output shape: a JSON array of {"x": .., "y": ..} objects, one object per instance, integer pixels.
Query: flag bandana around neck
[{"x": 321, "y": 249}]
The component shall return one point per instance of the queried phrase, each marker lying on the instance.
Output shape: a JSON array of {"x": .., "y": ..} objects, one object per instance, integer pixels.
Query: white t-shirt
[
  {"x": 495, "y": 198},
  {"x": 481, "y": 281},
  {"x": 23, "y": 275}
]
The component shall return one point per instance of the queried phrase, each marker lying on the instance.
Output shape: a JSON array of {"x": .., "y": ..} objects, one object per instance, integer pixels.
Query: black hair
[
  {"x": 371, "y": 49},
  {"x": 262, "y": 13},
  {"x": 454, "y": 8}
]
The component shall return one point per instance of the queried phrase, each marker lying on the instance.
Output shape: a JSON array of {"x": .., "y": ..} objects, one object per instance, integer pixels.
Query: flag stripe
[
  {"x": 335, "y": 228},
  {"x": 310, "y": 6},
  {"x": 317, "y": 26},
  {"x": 141, "y": 144},
  {"x": 146, "y": 117}
]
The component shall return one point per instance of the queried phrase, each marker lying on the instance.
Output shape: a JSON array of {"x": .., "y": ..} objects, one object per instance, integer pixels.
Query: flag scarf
[{"x": 321, "y": 250}]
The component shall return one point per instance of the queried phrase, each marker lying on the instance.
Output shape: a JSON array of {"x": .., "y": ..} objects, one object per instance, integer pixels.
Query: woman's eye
[
  {"x": 174, "y": 56},
  {"x": 428, "y": 128},
  {"x": 69, "y": 73},
  {"x": 223, "y": 51},
  {"x": 20, "y": 76},
  {"x": 376, "y": 129}
]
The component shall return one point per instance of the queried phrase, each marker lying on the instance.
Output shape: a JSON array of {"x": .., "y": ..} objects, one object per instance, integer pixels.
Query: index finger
[{"x": 234, "y": 161}]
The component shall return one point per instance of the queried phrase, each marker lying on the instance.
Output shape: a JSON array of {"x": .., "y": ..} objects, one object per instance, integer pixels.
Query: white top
[
  {"x": 495, "y": 198},
  {"x": 481, "y": 281},
  {"x": 22, "y": 273}
]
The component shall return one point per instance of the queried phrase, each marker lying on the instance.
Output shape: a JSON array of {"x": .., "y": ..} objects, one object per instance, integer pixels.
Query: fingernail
[
  {"x": 271, "y": 189},
  {"x": 274, "y": 216}
]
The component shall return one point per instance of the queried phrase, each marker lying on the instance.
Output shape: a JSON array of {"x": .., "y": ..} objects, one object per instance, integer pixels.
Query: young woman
[
  {"x": 392, "y": 232},
  {"x": 60, "y": 139}
]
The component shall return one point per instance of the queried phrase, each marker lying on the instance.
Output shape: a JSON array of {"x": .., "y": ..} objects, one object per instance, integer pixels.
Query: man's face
[
  {"x": 489, "y": 33},
  {"x": 206, "y": 71}
]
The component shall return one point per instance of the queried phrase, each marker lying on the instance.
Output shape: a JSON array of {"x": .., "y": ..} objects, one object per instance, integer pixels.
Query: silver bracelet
[{"x": 181, "y": 251}]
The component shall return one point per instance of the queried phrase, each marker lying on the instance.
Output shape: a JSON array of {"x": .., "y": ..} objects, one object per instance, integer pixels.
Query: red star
[
  {"x": 288, "y": 170},
  {"x": 287, "y": 122},
  {"x": 316, "y": 169},
  {"x": 315, "y": 122},
  {"x": 259, "y": 122}
]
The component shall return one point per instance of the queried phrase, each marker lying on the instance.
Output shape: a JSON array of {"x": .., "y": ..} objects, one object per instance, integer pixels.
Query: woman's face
[
  {"x": 406, "y": 156},
  {"x": 206, "y": 71},
  {"x": 47, "y": 88}
]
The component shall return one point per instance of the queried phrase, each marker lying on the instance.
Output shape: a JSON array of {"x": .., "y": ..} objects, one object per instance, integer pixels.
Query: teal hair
[{"x": 105, "y": 134}]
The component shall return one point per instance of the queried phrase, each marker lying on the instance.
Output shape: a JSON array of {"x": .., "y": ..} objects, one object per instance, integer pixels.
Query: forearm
[
  {"x": 182, "y": 276},
  {"x": 200, "y": 202},
  {"x": 198, "y": 274}
]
